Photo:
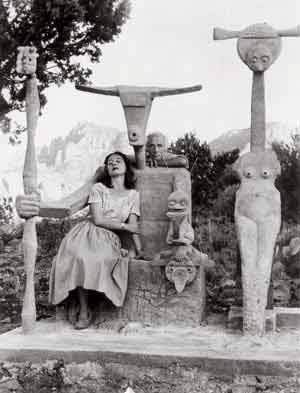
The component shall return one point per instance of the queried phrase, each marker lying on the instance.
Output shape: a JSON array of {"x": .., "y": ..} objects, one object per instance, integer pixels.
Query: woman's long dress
[{"x": 89, "y": 256}]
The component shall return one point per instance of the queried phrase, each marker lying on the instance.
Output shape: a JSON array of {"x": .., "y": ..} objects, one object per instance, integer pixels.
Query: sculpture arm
[
  {"x": 30, "y": 205},
  {"x": 173, "y": 161},
  {"x": 69, "y": 205}
]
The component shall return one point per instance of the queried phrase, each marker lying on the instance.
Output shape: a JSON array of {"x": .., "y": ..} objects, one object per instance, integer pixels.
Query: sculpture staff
[
  {"x": 258, "y": 206},
  {"x": 26, "y": 65}
]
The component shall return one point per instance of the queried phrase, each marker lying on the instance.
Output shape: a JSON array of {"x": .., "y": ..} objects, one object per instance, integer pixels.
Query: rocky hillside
[
  {"x": 241, "y": 138},
  {"x": 65, "y": 163}
]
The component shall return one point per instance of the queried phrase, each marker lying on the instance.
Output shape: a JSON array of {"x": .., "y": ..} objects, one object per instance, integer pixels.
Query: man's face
[{"x": 156, "y": 145}]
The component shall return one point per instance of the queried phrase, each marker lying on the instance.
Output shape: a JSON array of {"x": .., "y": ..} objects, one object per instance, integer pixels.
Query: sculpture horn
[
  {"x": 107, "y": 91},
  {"x": 161, "y": 92},
  {"x": 293, "y": 32},
  {"x": 223, "y": 34}
]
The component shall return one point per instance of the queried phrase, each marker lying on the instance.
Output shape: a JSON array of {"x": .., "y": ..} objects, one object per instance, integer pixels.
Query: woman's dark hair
[{"x": 129, "y": 181}]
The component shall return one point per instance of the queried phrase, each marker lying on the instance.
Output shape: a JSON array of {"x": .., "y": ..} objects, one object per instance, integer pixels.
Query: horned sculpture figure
[
  {"x": 258, "y": 206},
  {"x": 137, "y": 102},
  {"x": 26, "y": 65}
]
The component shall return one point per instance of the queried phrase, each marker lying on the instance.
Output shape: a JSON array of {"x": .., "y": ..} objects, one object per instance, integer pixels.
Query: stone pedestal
[{"x": 152, "y": 300}]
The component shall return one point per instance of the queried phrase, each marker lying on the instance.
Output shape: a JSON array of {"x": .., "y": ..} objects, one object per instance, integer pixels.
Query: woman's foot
[
  {"x": 84, "y": 317},
  {"x": 83, "y": 322}
]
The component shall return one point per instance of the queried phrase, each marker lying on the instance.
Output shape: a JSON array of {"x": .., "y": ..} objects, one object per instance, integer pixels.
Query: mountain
[
  {"x": 65, "y": 163},
  {"x": 241, "y": 138}
]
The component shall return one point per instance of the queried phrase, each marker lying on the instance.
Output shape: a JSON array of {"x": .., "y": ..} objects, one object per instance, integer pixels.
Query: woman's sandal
[{"x": 83, "y": 323}]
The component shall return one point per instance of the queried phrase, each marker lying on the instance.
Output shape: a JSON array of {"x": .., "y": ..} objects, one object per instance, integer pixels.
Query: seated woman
[{"x": 90, "y": 255}]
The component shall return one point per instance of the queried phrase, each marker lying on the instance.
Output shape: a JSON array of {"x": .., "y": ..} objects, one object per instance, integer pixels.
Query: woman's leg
[{"x": 83, "y": 318}]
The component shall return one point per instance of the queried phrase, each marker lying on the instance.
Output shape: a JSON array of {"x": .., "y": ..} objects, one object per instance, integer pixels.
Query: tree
[
  {"x": 63, "y": 31},
  {"x": 288, "y": 183},
  {"x": 209, "y": 174}
]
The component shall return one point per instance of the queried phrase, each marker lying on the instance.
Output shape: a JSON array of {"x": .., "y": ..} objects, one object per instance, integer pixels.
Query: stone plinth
[
  {"x": 152, "y": 300},
  {"x": 287, "y": 317},
  {"x": 235, "y": 319},
  {"x": 204, "y": 360}
]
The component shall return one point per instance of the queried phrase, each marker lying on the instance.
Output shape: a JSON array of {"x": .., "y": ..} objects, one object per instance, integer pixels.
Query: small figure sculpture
[
  {"x": 257, "y": 218},
  {"x": 157, "y": 154},
  {"x": 181, "y": 264},
  {"x": 180, "y": 230}
]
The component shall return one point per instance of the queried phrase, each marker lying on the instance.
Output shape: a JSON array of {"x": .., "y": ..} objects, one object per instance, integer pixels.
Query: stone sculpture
[
  {"x": 157, "y": 154},
  {"x": 137, "y": 102},
  {"x": 26, "y": 65},
  {"x": 180, "y": 230},
  {"x": 257, "y": 218},
  {"x": 257, "y": 210},
  {"x": 181, "y": 263}
]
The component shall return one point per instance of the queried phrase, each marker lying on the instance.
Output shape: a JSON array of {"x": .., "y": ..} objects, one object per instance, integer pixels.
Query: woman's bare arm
[
  {"x": 113, "y": 225},
  {"x": 134, "y": 220}
]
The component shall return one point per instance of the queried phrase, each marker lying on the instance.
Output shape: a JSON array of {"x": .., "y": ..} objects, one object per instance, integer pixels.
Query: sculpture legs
[{"x": 257, "y": 241}]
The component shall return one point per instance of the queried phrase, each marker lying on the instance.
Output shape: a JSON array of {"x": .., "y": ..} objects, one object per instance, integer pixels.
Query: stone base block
[
  {"x": 235, "y": 319},
  {"x": 152, "y": 300},
  {"x": 287, "y": 317}
]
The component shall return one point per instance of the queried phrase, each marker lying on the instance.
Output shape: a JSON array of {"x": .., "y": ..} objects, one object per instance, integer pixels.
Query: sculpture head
[
  {"x": 157, "y": 144},
  {"x": 259, "y": 58},
  {"x": 26, "y": 60},
  {"x": 178, "y": 204},
  {"x": 259, "y": 46}
]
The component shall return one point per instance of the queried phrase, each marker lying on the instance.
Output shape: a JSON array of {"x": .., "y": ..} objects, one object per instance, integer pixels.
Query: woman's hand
[{"x": 132, "y": 227}]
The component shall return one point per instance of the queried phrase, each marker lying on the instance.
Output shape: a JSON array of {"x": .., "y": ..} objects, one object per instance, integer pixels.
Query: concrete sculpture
[
  {"x": 257, "y": 209},
  {"x": 180, "y": 230},
  {"x": 136, "y": 102},
  {"x": 26, "y": 65}
]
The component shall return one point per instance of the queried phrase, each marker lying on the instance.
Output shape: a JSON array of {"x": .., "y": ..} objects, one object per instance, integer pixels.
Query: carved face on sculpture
[
  {"x": 157, "y": 144},
  {"x": 177, "y": 204},
  {"x": 259, "y": 53},
  {"x": 181, "y": 269},
  {"x": 259, "y": 58},
  {"x": 26, "y": 60}
]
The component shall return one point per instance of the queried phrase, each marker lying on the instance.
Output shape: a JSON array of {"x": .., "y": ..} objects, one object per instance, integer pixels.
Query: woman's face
[{"x": 116, "y": 165}]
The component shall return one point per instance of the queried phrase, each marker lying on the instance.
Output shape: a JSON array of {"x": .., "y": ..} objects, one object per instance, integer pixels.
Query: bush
[{"x": 6, "y": 210}]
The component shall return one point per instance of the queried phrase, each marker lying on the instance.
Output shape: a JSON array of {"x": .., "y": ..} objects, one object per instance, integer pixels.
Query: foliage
[
  {"x": 50, "y": 234},
  {"x": 210, "y": 175},
  {"x": 288, "y": 183},
  {"x": 63, "y": 31},
  {"x": 6, "y": 210}
]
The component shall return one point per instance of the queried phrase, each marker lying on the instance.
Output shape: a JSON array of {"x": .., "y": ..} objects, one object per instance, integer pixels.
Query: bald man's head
[{"x": 157, "y": 143}]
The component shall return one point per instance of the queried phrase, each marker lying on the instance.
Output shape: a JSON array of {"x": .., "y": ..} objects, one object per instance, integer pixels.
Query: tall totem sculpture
[
  {"x": 258, "y": 206},
  {"x": 26, "y": 65},
  {"x": 137, "y": 102}
]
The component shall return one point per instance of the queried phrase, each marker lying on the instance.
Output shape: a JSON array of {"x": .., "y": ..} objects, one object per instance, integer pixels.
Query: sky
[{"x": 169, "y": 43}]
